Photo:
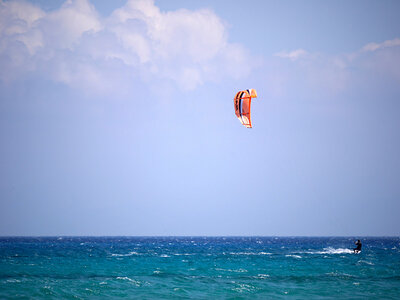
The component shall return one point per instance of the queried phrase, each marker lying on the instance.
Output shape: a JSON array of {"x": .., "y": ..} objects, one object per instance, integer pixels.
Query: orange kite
[{"x": 242, "y": 103}]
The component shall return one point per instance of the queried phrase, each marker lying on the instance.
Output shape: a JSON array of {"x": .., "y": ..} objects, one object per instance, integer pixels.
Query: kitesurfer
[{"x": 358, "y": 248}]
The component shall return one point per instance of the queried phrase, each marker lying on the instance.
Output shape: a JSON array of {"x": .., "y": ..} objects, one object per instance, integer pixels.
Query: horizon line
[{"x": 196, "y": 236}]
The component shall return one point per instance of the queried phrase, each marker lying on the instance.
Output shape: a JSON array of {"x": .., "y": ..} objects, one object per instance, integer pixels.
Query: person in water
[{"x": 358, "y": 248}]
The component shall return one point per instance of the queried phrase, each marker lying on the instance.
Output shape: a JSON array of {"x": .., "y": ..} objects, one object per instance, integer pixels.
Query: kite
[{"x": 242, "y": 103}]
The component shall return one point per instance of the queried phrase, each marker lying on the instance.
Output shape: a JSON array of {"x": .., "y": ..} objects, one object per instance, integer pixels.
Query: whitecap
[
  {"x": 336, "y": 274},
  {"x": 292, "y": 255},
  {"x": 243, "y": 287},
  {"x": 232, "y": 270},
  {"x": 126, "y": 254},
  {"x": 249, "y": 253},
  {"x": 135, "y": 282},
  {"x": 366, "y": 262}
]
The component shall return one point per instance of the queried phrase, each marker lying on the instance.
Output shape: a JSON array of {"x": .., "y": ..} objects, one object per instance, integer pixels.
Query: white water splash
[{"x": 331, "y": 250}]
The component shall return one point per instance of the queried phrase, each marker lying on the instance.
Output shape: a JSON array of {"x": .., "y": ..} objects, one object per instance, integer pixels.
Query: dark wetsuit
[{"x": 358, "y": 248}]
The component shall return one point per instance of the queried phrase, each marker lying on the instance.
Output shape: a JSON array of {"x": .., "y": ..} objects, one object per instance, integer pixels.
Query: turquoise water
[{"x": 199, "y": 267}]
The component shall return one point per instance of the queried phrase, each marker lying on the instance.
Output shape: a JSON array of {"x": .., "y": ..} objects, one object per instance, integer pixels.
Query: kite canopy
[{"x": 242, "y": 103}]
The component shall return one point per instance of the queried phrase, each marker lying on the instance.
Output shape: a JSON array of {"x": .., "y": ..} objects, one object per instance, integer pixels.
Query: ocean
[{"x": 199, "y": 268}]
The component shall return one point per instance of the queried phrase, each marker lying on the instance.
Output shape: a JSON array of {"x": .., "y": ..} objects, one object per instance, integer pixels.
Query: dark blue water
[{"x": 199, "y": 267}]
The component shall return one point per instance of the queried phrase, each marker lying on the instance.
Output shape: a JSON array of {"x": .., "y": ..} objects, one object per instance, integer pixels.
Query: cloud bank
[
  {"x": 74, "y": 45},
  {"x": 140, "y": 46}
]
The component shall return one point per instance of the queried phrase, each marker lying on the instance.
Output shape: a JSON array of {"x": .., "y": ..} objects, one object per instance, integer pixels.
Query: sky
[{"x": 117, "y": 118}]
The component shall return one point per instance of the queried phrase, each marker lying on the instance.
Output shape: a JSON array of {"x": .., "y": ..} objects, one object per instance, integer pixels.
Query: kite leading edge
[{"x": 242, "y": 103}]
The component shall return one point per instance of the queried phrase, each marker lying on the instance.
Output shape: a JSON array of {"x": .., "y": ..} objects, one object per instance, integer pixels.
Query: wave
[
  {"x": 126, "y": 254},
  {"x": 366, "y": 262},
  {"x": 243, "y": 287},
  {"x": 292, "y": 255},
  {"x": 133, "y": 281},
  {"x": 232, "y": 270},
  {"x": 250, "y": 253}
]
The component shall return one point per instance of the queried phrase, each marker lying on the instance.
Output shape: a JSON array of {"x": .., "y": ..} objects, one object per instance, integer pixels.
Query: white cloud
[
  {"x": 293, "y": 55},
  {"x": 315, "y": 74},
  {"x": 321, "y": 75},
  {"x": 74, "y": 45},
  {"x": 65, "y": 27},
  {"x": 386, "y": 44},
  {"x": 18, "y": 17}
]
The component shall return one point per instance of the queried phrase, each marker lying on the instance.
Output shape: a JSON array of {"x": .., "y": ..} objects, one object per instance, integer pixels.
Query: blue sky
[{"x": 116, "y": 118}]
